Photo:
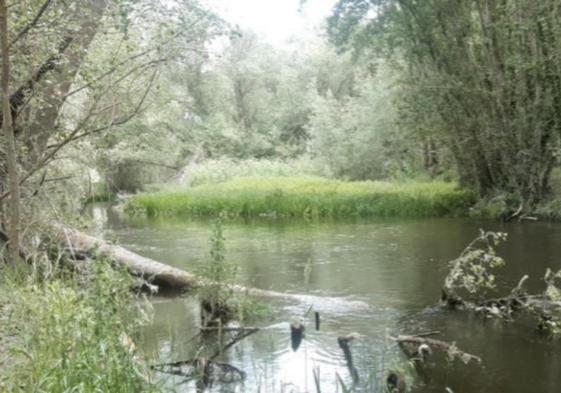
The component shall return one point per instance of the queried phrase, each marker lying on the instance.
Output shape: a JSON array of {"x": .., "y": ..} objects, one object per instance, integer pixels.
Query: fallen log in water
[
  {"x": 152, "y": 271},
  {"x": 149, "y": 269}
]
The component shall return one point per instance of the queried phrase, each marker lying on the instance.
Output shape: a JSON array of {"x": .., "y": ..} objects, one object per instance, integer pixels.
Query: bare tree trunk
[{"x": 10, "y": 144}]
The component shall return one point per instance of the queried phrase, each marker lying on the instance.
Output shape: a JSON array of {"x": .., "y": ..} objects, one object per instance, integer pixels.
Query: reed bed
[{"x": 307, "y": 197}]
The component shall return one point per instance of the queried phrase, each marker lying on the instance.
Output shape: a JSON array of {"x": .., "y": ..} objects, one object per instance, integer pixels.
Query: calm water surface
[{"x": 375, "y": 277}]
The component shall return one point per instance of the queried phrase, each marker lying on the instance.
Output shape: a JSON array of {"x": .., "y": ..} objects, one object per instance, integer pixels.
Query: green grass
[
  {"x": 71, "y": 333},
  {"x": 307, "y": 197}
]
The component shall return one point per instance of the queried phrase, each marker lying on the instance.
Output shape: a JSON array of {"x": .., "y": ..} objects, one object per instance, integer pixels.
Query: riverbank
[{"x": 307, "y": 197}]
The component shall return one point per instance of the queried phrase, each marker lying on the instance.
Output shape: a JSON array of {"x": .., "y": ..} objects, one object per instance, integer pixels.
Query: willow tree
[{"x": 484, "y": 74}]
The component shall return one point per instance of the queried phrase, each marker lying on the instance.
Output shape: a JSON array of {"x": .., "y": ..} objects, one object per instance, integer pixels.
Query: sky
[{"x": 276, "y": 20}]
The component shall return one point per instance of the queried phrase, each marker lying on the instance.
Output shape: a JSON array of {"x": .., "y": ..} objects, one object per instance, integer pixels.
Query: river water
[{"x": 377, "y": 277}]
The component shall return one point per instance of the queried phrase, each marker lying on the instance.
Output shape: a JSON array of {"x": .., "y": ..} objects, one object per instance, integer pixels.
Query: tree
[
  {"x": 83, "y": 69},
  {"x": 10, "y": 145},
  {"x": 489, "y": 70},
  {"x": 358, "y": 136}
]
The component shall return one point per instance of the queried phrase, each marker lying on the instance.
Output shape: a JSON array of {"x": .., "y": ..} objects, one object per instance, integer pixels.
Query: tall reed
[{"x": 308, "y": 197}]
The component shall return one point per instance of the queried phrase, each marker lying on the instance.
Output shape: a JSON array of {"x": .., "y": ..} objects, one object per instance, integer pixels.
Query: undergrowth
[
  {"x": 72, "y": 333},
  {"x": 308, "y": 197}
]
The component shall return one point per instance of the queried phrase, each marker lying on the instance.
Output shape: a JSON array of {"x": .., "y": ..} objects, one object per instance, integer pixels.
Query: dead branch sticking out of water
[
  {"x": 465, "y": 287},
  {"x": 241, "y": 334},
  {"x": 546, "y": 307},
  {"x": 205, "y": 370},
  {"x": 426, "y": 346}
]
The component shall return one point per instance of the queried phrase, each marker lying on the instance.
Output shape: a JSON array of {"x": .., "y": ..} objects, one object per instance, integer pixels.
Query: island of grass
[{"x": 307, "y": 197}]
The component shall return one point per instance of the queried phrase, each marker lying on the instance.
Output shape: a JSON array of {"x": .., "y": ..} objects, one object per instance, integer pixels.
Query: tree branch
[
  {"x": 33, "y": 23},
  {"x": 17, "y": 99}
]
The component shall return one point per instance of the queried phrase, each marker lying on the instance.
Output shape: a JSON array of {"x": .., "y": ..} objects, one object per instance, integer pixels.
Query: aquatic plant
[
  {"x": 219, "y": 302},
  {"x": 215, "y": 297},
  {"x": 308, "y": 197}
]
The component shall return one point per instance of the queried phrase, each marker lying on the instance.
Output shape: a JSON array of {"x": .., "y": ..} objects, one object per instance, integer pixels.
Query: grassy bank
[
  {"x": 307, "y": 197},
  {"x": 70, "y": 333}
]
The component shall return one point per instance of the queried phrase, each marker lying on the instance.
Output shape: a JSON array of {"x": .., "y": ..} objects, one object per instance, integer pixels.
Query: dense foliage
[{"x": 484, "y": 78}]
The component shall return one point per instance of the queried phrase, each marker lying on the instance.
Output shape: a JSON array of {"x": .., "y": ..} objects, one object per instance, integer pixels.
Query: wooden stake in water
[{"x": 296, "y": 334}]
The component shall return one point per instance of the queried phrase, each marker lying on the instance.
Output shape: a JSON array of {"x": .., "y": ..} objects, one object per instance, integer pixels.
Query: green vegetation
[
  {"x": 106, "y": 96},
  {"x": 308, "y": 197},
  {"x": 71, "y": 332},
  {"x": 219, "y": 303},
  {"x": 471, "y": 81},
  {"x": 216, "y": 305}
]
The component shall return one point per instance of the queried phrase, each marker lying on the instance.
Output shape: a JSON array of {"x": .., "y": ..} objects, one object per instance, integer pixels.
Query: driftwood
[{"x": 426, "y": 346}]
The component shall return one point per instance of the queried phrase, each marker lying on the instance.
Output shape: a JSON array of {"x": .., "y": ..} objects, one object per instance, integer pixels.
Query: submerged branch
[{"x": 451, "y": 349}]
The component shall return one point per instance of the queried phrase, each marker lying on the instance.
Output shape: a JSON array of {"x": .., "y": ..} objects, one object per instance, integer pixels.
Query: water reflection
[{"x": 374, "y": 277}]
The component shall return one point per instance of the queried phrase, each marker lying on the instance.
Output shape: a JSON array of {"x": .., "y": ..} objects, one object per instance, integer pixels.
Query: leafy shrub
[{"x": 471, "y": 274}]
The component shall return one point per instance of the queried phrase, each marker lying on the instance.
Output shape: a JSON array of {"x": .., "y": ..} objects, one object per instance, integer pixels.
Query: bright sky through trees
[{"x": 276, "y": 20}]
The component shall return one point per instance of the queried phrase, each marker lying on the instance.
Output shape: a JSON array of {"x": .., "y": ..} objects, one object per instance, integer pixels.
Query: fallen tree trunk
[
  {"x": 149, "y": 269},
  {"x": 163, "y": 275}
]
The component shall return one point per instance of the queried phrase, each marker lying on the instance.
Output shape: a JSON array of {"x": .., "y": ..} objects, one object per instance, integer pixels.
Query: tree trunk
[
  {"x": 88, "y": 16},
  {"x": 10, "y": 145},
  {"x": 166, "y": 276}
]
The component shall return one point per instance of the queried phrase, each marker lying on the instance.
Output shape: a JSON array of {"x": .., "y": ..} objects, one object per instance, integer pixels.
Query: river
[{"x": 376, "y": 277}]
